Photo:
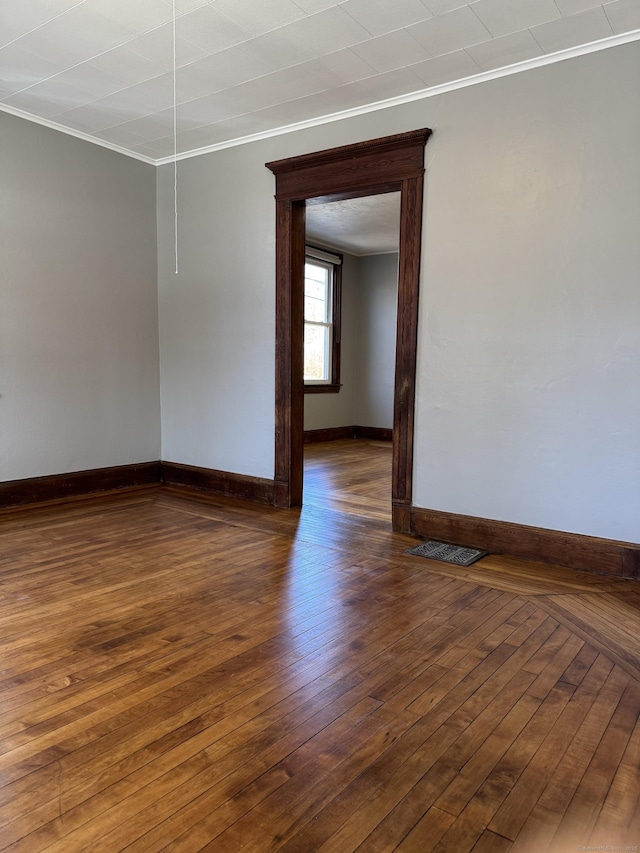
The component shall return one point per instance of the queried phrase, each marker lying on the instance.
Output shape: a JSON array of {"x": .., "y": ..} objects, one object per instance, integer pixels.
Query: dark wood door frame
[{"x": 391, "y": 164}]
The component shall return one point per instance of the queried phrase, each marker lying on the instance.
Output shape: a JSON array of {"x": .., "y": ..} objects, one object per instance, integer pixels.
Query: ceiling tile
[
  {"x": 453, "y": 31},
  {"x": 17, "y": 19},
  {"x": 313, "y": 6},
  {"x": 327, "y": 31},
  {"x": 59, "y": 6},
  {"x": 380, "y": 16},
  {"x": 183, "y": 124},
  {"x": 201, "y": 137},
  {"x": 258, "y": 17},
  {"x": 120, "y": 136},
  {"x": 151, "y": 127},
  {"x": 141, "y": 100},
  {"x": 193, "y": 82},
  {"x": 20, "y": 69},
  {"x": 60, "y": 93},
  {"x": 279, "y": 49},
  {"x": 391, "y": 84},
  {"x": 502, "y": 17},
  {"x": 291, "y": 112},
  {"x": 126, "y": 66},
  {"x": 285, "y": 85},
  {"x": 76, "y": 36},
  {"x": 394, "y": 50},
  {"x": 249, "y": 123},
  {"x": 568, "y": 32},
  {"x": 348, "y": 97},
  {"x": 152, "y": 95},
  {"x": 228, "y": 68},
  {"x": 312, "y": 106},
  {"x": 209, "y": 29},
  {"x": 505, "y": 50},
  {"x": 139, "y": 16},
  {"x": 344, "y": 65},
  {"x": 157, "y": 47},
  {"x": 572, "y": 7},
  {"x": 221, "y": 105},
  {"x": 88, "y": 118},
  {"x": 156, "y": 149},
  {"x": 439, "y": 7},
  {"x": 86, "y": 78},
  {"x": 37, "y": 106},
  {"x": 183, "y": 6},
  {"x": 445, "y": 69},
  {"x": 623, "y": 15}
]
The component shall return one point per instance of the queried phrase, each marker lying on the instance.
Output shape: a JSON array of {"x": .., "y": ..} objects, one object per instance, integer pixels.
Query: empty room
[{"x": 289, "y": 288}]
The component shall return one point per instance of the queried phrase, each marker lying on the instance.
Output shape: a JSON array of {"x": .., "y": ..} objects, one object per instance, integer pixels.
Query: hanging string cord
[{"x": 175, "y": 144}]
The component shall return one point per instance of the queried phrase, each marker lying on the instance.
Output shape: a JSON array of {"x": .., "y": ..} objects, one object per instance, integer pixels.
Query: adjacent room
[
  {"x": 351, "y": 294},
  {"x": 286, "y": 287}
]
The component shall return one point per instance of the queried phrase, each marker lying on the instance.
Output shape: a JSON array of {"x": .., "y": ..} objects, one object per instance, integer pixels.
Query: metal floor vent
[{"x": 457, "y": 554}]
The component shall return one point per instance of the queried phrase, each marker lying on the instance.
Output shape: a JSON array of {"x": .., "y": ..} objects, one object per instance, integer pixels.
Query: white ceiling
[
  {"x": 103, "y": 68},
  {"x": 360, "y": 226}
]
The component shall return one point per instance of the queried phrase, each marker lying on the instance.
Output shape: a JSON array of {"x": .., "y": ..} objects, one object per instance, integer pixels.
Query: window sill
[{"x": 322, "y": 389}]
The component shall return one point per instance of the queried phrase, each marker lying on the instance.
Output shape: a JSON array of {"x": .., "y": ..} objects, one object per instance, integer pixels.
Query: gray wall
[
  {"x": 367, "y": 364},
  {"x": 529, "y": 340},
  {"x": 377, "y": 340},
  {"x": 79, "y": 383}
]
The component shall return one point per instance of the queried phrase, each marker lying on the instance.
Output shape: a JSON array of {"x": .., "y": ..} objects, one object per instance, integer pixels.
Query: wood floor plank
[
  {"x": 427, "y": 833},
  {"x": 402, "y": 819},
  {"x": 489, "y": 842}
]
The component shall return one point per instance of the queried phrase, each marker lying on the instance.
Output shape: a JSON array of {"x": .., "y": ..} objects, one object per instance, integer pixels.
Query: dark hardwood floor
[{"x": 187, "y": 673}]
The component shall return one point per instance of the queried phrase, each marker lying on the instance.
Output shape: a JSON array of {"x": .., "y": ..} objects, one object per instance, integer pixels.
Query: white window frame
[{"x": 332, "y": 263}]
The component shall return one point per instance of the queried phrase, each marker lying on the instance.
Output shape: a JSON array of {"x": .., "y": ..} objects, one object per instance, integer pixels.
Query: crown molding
[
  {"x": 77, "y": 133},
  {"x": 483, "y": 77}
]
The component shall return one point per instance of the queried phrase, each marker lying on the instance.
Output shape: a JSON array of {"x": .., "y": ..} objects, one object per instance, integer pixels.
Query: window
[{"x": 322, "y": 286}]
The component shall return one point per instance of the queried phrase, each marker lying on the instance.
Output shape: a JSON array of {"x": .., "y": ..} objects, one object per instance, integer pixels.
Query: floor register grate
[{"x": 457, "y": 554}]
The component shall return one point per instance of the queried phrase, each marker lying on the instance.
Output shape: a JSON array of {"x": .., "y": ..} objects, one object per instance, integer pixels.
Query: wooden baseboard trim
[
  {"x": 587, "y": 553},
  {"x": 60, "y": 487},
  {"x": 56, "y": 487},
  {"x": 401, "y": 517},
  {"x": 256, "y": 489},
  {"x": 312, "y": 436},
  {"x": 373, "y": 433},
  {"x": 281, "y": 495}
]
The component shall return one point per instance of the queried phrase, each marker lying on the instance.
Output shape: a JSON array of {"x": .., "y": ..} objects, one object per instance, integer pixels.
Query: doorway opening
[
  {"x": 350, "y": 353},
  {"x": 390, "y": 164}
]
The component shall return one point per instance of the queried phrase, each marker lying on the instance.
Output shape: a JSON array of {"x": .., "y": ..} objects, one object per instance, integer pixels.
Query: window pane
[
  {"x": 316, "y": 293},
  {"x": 315, "y": 272},
  {"x": 315, "y": 309},
  {"x": 314, "y": 289},
  {"x": 316, "y": 353}
]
